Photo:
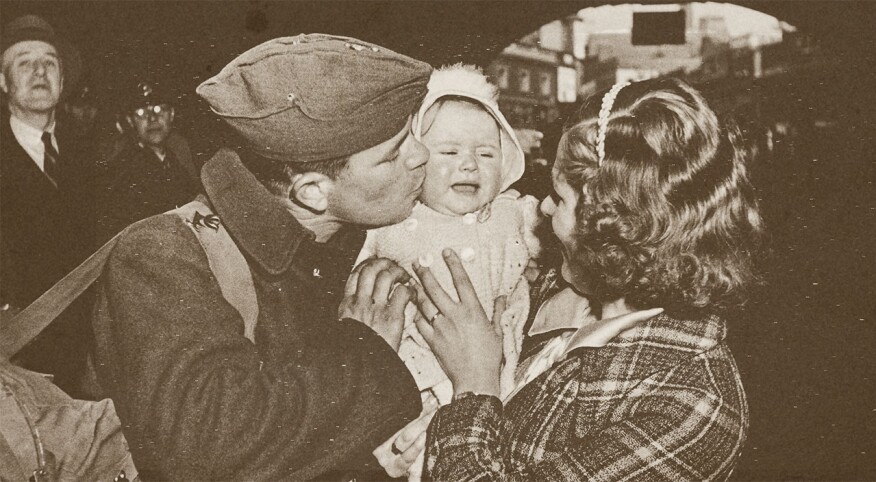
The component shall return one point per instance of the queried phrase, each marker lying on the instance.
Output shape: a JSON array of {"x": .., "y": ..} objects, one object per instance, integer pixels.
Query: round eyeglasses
[{"x": 150, "y": 110}]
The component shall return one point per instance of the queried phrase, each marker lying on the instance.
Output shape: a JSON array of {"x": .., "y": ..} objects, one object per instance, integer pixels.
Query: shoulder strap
[
  {"x": 28, "y": 323},
  {"x": 226, "y": 261}
]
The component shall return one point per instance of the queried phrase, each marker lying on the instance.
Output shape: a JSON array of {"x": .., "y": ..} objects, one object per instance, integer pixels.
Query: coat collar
[
  {"x": 568, "y": 314},
  {"x": 265, "y": 231}
]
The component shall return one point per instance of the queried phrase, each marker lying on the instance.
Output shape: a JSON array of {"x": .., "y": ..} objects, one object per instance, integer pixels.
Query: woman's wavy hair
[{"x": 670, "y": 218}]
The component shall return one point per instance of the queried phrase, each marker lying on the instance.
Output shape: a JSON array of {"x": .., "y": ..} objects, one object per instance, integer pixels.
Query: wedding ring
[
  {"x": 435, "y": 317},
  {"x": 395, "y": 450}
]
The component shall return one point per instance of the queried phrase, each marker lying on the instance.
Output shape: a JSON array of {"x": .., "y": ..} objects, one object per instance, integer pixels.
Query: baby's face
[{"x": 464, "y": 171}]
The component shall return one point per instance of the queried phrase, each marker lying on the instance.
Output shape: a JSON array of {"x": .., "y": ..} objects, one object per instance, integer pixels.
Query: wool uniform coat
[
  {"x": 196, "y": 398},
  {"x": 662, "y": 401}
]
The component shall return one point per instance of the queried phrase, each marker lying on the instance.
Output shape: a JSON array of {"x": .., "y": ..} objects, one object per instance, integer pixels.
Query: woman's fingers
[
  {"x": 433, "y": 289},
  {"x": 464, "y": 289},
  {"x": 427, "y": 308},
  {"x": 424, "y": 304},
  {"x": 425, "y": 328}
]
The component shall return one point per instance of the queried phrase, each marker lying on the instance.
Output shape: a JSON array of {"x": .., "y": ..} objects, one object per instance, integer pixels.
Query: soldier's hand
[{"x": 376, "y": 294}]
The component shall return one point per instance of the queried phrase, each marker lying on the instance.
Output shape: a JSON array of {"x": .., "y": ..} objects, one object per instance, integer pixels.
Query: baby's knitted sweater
[{"x": 494, "y": 245}]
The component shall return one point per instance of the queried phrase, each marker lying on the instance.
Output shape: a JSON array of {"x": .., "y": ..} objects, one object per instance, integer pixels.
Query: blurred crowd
[{"x": 72, "y": 179}]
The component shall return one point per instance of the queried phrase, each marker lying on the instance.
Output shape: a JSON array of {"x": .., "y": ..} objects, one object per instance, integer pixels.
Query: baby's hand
[{"x": 401, "y": 450}]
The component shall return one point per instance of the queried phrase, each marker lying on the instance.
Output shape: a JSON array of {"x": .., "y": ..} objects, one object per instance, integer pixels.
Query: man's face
[
  {"x": 31, "y": 76},
  {"x": 380, "y": 184},
  {"x": 152, "y": 123},
  {"x": 465, "y": 162}
]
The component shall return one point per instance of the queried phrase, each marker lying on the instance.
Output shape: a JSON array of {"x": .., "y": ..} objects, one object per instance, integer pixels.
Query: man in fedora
[
  {"x": 44, "y": 228},
  {"x": 204, "y": 390}
]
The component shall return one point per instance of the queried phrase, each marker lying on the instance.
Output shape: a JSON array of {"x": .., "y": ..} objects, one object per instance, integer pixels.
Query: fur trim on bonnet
[{"x": 470, "y": 82}]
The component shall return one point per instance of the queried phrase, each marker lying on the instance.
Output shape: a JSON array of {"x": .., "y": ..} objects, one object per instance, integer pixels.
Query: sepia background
[{"x": 798, "y": 76}]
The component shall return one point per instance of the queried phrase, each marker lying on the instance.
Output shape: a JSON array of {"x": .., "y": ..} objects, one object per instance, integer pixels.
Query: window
[
  {"x": 524, "y": 83},
  {"x": 545, "y": 84},
  {"x": 503, "y": 79}
]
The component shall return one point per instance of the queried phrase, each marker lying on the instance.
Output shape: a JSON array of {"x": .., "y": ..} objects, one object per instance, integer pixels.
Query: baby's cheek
[{"x": 440, "y": 169}]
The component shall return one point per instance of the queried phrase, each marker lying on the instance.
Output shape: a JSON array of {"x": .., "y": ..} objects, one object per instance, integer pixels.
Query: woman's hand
[
  {"x": 466, "y": 343},
  {"x": 376, "y": 294}
]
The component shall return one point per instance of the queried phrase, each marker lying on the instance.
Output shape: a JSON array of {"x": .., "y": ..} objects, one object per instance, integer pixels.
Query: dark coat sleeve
[{"x": 196, "y": 398}]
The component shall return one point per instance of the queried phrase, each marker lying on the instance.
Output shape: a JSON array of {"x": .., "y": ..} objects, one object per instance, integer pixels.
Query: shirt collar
[
  {"x": 31, "y": 139},
  {"x": 19, "y": 127},
  {"x": 567, "y": 311},
  {"x": 266, "y": 231}
]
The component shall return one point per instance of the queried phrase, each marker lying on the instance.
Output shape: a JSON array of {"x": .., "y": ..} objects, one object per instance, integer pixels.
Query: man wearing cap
[
  {"x": 312, "y": 389},
  {"x": 148, "y": 168},
  {"x": 44, "y": 229}
]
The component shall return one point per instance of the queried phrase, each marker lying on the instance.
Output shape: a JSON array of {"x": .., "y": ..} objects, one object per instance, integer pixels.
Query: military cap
[
  {"x": 314, "y": 97},
  {"x": 143, "y": 95}
]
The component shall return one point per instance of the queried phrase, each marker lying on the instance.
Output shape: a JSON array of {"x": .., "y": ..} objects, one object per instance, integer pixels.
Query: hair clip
[{"x": 602, "y": 121}]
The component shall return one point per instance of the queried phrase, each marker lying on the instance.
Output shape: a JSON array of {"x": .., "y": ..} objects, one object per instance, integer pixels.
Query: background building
[{"x": 540, "y": 72}]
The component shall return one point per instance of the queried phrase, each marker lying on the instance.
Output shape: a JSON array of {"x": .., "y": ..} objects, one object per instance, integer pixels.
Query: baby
[{"x": 465, "y": 205}]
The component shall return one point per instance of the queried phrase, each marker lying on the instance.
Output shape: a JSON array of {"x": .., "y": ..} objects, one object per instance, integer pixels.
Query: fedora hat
[{"x": 33, "y": 27}]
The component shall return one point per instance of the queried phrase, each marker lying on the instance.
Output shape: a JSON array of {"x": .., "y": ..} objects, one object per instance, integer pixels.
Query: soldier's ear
[
  {"x": 3, "y": 82},
  {"x": 311, "y": 190}
]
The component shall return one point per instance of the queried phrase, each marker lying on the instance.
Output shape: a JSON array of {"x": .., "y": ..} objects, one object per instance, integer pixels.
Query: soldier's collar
[{"x": 262, "y": 227}]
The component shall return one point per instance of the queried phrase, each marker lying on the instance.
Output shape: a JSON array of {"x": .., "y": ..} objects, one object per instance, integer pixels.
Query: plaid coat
[{"x": 662, "y": 401}]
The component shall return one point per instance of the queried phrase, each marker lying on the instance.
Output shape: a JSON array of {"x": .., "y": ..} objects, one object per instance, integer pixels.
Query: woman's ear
[{"x": 311, "y": 190}]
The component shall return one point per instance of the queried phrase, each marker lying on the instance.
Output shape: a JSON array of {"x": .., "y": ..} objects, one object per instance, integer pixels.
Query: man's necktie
[{"x": 50, "y": 160}]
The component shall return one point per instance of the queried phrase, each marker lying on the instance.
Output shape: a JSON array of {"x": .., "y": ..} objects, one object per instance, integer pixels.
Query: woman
[{"x": 653, "y": 208}]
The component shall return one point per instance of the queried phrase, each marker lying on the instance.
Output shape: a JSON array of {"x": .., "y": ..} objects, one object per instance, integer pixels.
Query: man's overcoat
[{"x": 45, "y": 231}]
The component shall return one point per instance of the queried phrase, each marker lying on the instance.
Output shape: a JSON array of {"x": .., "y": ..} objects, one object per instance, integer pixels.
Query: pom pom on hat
[{"x": 463, "y": 78}]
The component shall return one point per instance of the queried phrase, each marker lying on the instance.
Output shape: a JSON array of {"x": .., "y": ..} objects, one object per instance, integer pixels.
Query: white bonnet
[{"x": 469, "y": 81}]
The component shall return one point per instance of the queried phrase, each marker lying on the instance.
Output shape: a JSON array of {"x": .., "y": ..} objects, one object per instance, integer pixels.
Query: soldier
[{"x": 308, "y": 388}]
